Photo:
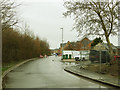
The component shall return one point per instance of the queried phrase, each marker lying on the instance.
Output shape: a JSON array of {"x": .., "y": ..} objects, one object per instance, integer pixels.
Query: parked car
[
  {"x": 45, "y": 56},
  {"x": 83, "y": 59},
  {"x": 41, "y": 56},
  {"x": 76, "y": 58}
]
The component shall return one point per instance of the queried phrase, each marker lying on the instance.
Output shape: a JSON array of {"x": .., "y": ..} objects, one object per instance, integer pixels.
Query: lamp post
[
  {"x": 100, "y": 52},
  {"x": 62, "y": 42},
  {"x": 100, "y": 64},
  {"x": 100, "y": 61}
]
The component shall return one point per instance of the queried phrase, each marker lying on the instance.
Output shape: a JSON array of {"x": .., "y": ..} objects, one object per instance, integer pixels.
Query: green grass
[
  {"x": 4, "y": 69},
  {"x": 6, "y": 66}
]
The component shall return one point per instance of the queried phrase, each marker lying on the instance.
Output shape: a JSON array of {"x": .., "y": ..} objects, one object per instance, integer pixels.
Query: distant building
[
  {"x": 71, "y": 54},
  {"x": 100, "y": 46},
  {"x": 65, "y": 45},
  {"x": 104, "y": 46},
  {"x": 118, "y": 50},
  {"x": 54, "y": 51},
  {"x": 84, "y": 44}
]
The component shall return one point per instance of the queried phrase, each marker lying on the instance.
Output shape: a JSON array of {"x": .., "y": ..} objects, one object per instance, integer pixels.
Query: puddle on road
[{"x": 70, "y": 63}]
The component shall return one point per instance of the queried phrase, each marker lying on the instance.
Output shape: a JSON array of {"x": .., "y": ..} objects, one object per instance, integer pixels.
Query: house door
[
  {"x": 69, "y": 56},
  {"x": 66, "y": 56}
]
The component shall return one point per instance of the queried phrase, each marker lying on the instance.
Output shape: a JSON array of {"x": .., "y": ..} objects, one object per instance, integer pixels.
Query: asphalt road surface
[{"x": 46, "y": 73}]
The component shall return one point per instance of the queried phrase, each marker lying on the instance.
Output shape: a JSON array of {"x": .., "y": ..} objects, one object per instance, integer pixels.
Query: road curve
[{"x": 46, "y": 73}]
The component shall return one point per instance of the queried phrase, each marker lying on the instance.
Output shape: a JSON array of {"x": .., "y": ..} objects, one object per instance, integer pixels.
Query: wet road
[{"x": 46, "y": 73}]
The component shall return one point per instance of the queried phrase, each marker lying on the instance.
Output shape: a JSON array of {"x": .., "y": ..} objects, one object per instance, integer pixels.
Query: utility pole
[{"x": 62, "y": 42}]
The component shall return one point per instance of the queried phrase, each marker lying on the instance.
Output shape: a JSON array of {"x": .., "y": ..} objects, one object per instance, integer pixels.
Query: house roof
[
  {"x": 85, "y": 41},
  {"x": 118, "y": 47},
  {"x": 63, "y": 44},
  {"x": 106, "y": 46},
  {"x": 82, "y": 39}
]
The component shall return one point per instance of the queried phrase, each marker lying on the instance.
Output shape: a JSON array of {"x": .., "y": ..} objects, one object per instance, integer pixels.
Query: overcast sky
[{"x": 45, "y": 19}]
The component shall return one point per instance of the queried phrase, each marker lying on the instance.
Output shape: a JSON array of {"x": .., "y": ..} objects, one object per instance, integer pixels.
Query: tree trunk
[
  {"x": 107, "y": 38},
  {"x": 110, "y": 50}
]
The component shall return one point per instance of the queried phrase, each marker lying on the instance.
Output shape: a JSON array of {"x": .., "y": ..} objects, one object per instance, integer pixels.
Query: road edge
[
  {"x": 84, "y": 76},
  {"x": 12, "y": 68}
]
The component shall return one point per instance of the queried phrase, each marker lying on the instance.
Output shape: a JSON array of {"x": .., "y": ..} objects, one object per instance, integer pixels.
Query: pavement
[
  {"x": 105, "y": 79},
  {"x": 68, "y": 60}
]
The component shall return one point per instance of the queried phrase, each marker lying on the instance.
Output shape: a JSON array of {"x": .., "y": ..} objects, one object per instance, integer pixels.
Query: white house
[{"x": 68, "y": 54}]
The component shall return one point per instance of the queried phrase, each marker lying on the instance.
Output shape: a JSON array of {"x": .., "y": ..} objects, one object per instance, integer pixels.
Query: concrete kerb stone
[
  {"x": 17, "y": 65},
  {"x": 13, "y": 67},
  {"x": 101, "y": 81}
]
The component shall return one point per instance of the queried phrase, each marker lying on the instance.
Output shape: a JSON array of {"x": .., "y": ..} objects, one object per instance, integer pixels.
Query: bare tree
[
  {"x": 8, "y": 14},
  {"x": 94, "y": 18}
]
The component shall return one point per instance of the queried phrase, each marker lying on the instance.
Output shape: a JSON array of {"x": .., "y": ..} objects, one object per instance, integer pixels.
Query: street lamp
[
  {"x": 62, "y": 42},
  {"x": 100, "y": 64},
  {"x": 100, "y": 52}
]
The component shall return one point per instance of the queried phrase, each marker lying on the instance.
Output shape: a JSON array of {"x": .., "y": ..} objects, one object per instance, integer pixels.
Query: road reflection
[{"x": 47, "y": 73}]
